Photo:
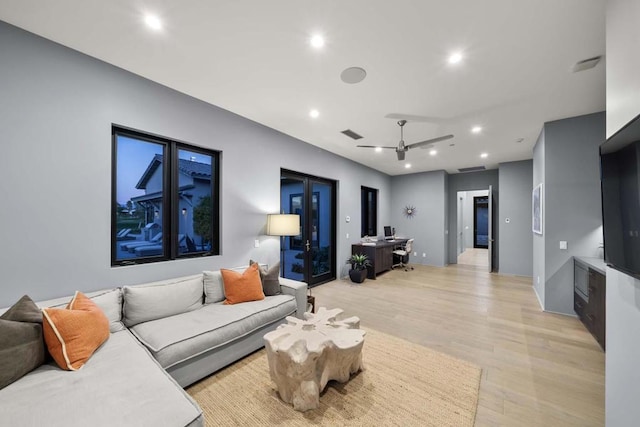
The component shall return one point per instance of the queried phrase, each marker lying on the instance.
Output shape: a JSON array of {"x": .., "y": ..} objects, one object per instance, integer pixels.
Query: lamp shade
[{"x": 283, "y": 225}]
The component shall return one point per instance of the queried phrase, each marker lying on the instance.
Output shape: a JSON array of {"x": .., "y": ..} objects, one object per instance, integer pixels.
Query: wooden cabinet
[{"x": 590, "y": 306}]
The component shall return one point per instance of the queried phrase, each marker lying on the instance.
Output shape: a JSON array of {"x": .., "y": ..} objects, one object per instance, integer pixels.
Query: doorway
[
  {"x": 481, "y": 222},
  {"x": 473, "y": 232},
  {"x": 311, "y": 255}
]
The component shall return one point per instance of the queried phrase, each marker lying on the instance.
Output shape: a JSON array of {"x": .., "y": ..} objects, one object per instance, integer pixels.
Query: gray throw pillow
[
  {"x": 269, "y": 278},
  {"x": 21, "y": 341}
]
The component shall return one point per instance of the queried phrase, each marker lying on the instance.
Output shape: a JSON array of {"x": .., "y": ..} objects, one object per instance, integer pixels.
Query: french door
[{"x": 311, "y": 255}]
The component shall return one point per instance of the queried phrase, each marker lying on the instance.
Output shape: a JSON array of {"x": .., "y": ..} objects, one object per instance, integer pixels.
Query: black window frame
[
  {"x": 365, "y": 211},
  {"x": 170, "y": 204}
]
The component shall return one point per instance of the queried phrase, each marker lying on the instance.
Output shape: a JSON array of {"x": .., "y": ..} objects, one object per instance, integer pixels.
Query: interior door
[
  {"x": 309, "y": 256},
  {"x": 490, "y": 240},
  {"x": 461, "y": 243}
]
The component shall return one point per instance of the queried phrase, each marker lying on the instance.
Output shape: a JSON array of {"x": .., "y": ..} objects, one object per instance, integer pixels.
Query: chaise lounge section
[{"x": 164, "y": 336}]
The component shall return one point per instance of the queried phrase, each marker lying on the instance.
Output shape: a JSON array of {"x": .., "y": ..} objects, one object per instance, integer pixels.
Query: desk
[{"x": 380, "y": 255}]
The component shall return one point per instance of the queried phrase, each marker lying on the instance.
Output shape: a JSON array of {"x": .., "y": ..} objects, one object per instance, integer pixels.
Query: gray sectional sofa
[{"x": 164, "y": 336}]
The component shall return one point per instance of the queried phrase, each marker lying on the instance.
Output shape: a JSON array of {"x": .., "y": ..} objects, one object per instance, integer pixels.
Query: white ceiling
[{"x": 253, "y": 57}]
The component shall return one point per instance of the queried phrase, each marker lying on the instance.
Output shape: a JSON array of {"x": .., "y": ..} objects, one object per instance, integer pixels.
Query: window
[
  {"x": 165, "y": 199},
  {"x": 369, "y": 209}
]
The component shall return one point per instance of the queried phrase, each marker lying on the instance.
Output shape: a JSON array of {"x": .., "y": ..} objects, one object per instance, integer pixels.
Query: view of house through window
[
  {"x": 369, "y": 209},
  {"x": 165, "y": 199}
]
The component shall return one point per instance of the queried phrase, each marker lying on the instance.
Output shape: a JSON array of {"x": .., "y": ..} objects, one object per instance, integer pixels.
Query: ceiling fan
[{"x": 402, "y": 148}]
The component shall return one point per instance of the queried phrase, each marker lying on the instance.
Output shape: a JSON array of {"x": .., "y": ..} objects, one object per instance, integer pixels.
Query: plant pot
[{"x": 357, "y": 276}]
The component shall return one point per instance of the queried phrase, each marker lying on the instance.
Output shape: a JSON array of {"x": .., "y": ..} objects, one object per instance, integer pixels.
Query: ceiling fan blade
[
  {"x": 400, "y": 154},
  {"x": 414, "y": 118},
  {"x": 375, "y": 146},
  {"x": 429, "y": 141}
]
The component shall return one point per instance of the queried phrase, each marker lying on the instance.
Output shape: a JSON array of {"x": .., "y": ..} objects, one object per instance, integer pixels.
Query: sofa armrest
[{"x": 298, "y": 290}]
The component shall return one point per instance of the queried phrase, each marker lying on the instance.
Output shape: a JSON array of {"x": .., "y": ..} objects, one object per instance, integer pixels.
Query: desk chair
[{"x": 403, "y": 252}]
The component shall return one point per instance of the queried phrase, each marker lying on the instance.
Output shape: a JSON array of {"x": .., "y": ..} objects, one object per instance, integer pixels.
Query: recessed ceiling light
[
  {"x": 378, "y": 149},
  {"x": 484, "y": 155},
  {"x": 433, "y": 152},
  {"x": 455, "y": 58},
  {"x": 317, "y": 41},
  {"x": 407, "y": 166},
  {"x": 153, "y": 22},
  {"x": 476, "y": 129},
  {"x": 314, "y": 114}
]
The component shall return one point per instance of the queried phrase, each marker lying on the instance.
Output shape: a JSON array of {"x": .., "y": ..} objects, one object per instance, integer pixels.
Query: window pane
[
  {"x": 139, "y": 198},
  {"x": 195, "y": 207}
]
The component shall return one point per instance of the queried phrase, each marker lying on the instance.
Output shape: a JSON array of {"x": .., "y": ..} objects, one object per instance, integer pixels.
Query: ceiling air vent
[
  {"x": 351, "y": 134},
  {"x": 472, "y": 169},
  {"x": 585, "y": 64}
]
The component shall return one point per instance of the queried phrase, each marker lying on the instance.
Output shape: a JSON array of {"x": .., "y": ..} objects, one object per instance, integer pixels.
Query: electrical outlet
[
  {"x": 415, "y": 254},
  {"x": 347, "y": 235},
  {"x": 424, "y": 255},
  {"x": 256, "y": 243},
  {"x": 538, "y": 280}
]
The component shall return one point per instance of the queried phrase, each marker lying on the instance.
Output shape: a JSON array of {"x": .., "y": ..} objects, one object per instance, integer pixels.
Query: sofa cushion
[
  {"x": 213, "y": 287},
  {"x": 156, "y": 300},
  {"x": 121, "y": 385},
  {"x": 109, "y": 300},
  {"x": 21, "y": 341},
  {"x": 269, "y": 278},
  {"x": 74, "y": 333},
  {"x": 181, "y": 337},
  {"x": 242, "y": 287}
]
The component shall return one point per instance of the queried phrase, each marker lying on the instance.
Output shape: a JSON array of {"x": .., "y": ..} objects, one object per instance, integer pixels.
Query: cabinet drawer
[{"x": 579, "y": 305}]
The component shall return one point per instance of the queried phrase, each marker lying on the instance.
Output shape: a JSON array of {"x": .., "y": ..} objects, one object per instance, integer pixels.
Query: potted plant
[{"x": 359, "y": 264}]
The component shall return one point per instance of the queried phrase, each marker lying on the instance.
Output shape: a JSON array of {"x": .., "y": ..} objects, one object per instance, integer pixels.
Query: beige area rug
[{"x": 403, "y": 384}]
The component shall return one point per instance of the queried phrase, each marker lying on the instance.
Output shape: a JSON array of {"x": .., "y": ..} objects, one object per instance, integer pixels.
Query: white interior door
[
  {"x": 461, "y": 243},
  {"x": 490, "y": 227}
]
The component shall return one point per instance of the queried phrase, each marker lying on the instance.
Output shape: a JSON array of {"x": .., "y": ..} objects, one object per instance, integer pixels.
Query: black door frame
[
  {"x": 476, "y": 204},
  {"x": 306, "y": 224}
]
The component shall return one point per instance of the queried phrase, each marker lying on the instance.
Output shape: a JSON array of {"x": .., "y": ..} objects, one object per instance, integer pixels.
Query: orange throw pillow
[
  {"x": 242, "y": 287},
  {"x": 72, "y": 334}
]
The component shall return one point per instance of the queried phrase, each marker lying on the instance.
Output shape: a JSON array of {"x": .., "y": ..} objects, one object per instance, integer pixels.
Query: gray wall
[
  {"x": 573, "y": 209},
  {"x": 56, "y": 111},
  {"x": 622, "y": 381},
  {"x": 516, "y": 238},
  {"x": 538, "y": 240},
  {"x": 469, "y": 182},
  {"x": 425, "y": 191}
]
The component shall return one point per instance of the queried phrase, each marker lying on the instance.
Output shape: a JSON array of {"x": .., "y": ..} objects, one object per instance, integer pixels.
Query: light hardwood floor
[
  {"x": 539, "y": 369},
  {"x": 474, "y": 256}
]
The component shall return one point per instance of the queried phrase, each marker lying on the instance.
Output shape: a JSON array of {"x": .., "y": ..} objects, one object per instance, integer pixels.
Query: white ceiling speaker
[{"x": 353, "y": 75}]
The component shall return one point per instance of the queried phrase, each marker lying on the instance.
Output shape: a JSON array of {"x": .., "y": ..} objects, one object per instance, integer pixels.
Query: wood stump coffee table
[{"x": 305, "y": 354}]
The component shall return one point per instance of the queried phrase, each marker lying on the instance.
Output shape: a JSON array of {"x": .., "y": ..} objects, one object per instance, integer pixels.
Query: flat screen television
[{"x": 620, "y": 180}]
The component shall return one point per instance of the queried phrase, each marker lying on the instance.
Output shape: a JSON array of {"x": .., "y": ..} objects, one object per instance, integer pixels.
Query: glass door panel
[
  {"x": 292, "y": 201},
  {"x": 321, "y": 231}
]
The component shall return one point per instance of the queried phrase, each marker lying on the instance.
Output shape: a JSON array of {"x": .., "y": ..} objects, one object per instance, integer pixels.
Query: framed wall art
[{"x": 536, "y": 206}]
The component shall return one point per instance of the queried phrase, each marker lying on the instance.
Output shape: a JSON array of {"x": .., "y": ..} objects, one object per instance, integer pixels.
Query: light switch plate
[{"x": 563, "y": 244}]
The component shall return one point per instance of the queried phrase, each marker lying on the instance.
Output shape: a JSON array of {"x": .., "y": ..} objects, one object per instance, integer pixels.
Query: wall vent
[
  {"x": 351, "y": 134},
  {"x": 586, "y": 64},
  {"x": 472, "y": 169}
]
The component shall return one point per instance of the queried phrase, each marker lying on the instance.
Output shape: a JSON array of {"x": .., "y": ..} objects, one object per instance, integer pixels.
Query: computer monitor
[{"x": 387, "y": 231}]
